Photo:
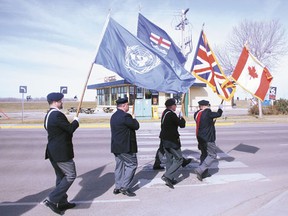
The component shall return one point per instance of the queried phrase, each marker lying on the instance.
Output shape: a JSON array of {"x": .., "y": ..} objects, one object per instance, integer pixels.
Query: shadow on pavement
[
  {"x": 25, "y": 204},
  {"x": 93, "y": 186},
  {"x": 246, "y": 148},
  {"x": 142, "y": 175}
]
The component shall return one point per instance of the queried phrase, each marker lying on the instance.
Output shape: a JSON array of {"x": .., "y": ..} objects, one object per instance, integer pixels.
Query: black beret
[
  {"x": 122, "y": 100},
  {"x": 170, "y": 102},
  {"x": 203, "y": 103},
  {"x": 55, "y": 96}
]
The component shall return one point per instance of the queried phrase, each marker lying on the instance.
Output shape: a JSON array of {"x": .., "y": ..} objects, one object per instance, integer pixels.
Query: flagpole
[
  {"x": 216, "y": 118},
  {"x": 89, "y": 73},
  {"x": 84, "y": 89},
  {"x": 133, "y": 106},
  {"x": 223, "y": 108}
]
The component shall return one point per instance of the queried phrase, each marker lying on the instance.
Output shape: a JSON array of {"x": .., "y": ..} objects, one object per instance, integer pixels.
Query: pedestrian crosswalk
[{"x": 148, "y": 143}]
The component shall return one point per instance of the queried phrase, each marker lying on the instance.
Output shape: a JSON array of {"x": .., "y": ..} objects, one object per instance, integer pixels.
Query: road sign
[
  {"x": 64, "y": 89},
  {"x": 23, "y": 89},
  {"x": 272, "y": 93}
]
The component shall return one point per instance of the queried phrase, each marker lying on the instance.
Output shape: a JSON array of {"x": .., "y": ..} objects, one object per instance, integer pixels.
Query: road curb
[{"x": 103, "y": 125}]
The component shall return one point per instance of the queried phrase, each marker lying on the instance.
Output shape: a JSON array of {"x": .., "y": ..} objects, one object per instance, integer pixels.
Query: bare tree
[
  {"x": 225, "y": 60},
  {"x": 265, "y": 40}
]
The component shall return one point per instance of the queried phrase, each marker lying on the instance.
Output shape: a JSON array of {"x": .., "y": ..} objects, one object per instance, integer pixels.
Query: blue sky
[{"x": 48, "y": 44}]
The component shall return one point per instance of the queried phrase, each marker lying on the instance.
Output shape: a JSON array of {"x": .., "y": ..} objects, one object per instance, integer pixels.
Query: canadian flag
[{"x": 252, "y": 75}]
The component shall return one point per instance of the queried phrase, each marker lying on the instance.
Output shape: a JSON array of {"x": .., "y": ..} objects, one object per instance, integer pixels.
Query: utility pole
[{"x": 181, "y": 26}]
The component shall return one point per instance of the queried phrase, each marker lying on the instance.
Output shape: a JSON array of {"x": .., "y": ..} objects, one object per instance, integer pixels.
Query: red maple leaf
[{"x": 252, "y": 72}]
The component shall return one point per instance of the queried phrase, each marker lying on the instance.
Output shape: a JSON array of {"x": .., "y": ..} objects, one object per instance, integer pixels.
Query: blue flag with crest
[
  {"x": 138, "y": 63},
  {"x": 158, "y": 39}
]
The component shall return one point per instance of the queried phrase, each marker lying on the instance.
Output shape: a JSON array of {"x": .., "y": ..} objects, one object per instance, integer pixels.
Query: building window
[
  {"x": 118, "y": 92},
  {"x": 154, "y": 97},
  {"x": 113, "y": 95},
  {"x": 131, "y": 94},
  {"x": 122, "y": 92},
  {"x": 139, "y": 93},
  {"x": 103, "y": 96},
  {"x": 100, "y": 97},
  {"x": 148, "y": 94},
  {"x": 178, "y": 98},
  {"x": 107, "y": 96}
]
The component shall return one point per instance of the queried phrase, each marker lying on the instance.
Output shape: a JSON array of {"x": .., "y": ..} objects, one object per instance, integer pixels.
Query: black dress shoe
[
  {"x": 167, "y": 181},
  {"x": 65, "y": 206},
  {"x": 206, "y": 174},
  {"x": 127, "y": 192},
  {"x": 53, "y": 207},
  {"x": 174, "y": 182},
  {"x": 116, "y": 191},
  {"x": 158, "y": 168},
  {"x": 186, "y": 162}
]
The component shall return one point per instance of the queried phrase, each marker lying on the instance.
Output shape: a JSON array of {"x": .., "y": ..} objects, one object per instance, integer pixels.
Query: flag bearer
[{"x": 206, "y": 136}]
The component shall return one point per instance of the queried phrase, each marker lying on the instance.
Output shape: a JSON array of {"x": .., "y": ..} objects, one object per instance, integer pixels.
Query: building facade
[{"x": 111, "y": 89}]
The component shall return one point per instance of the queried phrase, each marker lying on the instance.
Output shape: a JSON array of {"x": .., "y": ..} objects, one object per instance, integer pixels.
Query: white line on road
[
  {"x": 215, "y": 179},
  {"x": 193, "y": 165},
  {"x": 223, "y": 179},
  {"x": 283, "y": 144},
  {"x": 157, "y": 134},
  {"x": 77, "y": 202},
  {"x": 154, "y": 149}
]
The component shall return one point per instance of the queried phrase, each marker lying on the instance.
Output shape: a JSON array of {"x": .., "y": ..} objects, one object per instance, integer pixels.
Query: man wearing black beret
[
  {"x": 170, "y": 139},
  {"x": 124, "y": 147},
  {"x": 157, "y": 164},
  {"x": 206, "y": 136},
  {"x": 59, "y": 150}
]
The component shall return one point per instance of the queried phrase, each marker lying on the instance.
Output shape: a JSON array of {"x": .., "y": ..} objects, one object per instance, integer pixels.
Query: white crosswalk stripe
[{"x": 148, "y": 144}]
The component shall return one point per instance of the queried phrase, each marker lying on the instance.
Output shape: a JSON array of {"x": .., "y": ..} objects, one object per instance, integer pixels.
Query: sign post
[
  {"x": 64, "y": 90},
  {"x": 23, "y": 90},
  {"x": 272, "y": 94}
]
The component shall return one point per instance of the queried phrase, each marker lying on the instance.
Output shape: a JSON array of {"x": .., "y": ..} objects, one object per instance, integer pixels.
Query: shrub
[
  {"x": 254, "y": 110},
  {"x": 280, "y": 107}
]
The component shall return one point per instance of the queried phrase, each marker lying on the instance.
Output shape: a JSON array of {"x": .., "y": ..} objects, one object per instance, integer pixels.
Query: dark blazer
[
  {"x": 123, "y": 136},
  {"x": 169, "y": 126},
  {"x": 60, "y": 133},
  {"x": 206, "y": 128}
]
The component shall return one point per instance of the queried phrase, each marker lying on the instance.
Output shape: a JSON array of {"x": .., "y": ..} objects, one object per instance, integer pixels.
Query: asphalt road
[{"x": 250, "y": 177}]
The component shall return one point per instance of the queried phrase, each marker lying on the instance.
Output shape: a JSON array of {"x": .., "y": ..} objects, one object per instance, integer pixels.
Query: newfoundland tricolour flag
[
  {"x": 158, "y": 39},
  {"x": 252, "y": 75},
  {"x": 138, "y": 63}
]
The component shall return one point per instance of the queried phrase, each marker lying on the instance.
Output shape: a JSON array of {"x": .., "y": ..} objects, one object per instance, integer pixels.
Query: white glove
[
  {"x": 180, "y": 115},
  {"x": 221, "y": 106},
  {"x": 76, "y": 118}
]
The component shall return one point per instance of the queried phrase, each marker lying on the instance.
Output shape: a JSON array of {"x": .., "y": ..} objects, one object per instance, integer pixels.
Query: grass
[
  {"x": 34, "y": 112},
  {"x": 39, "y": 105}
]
